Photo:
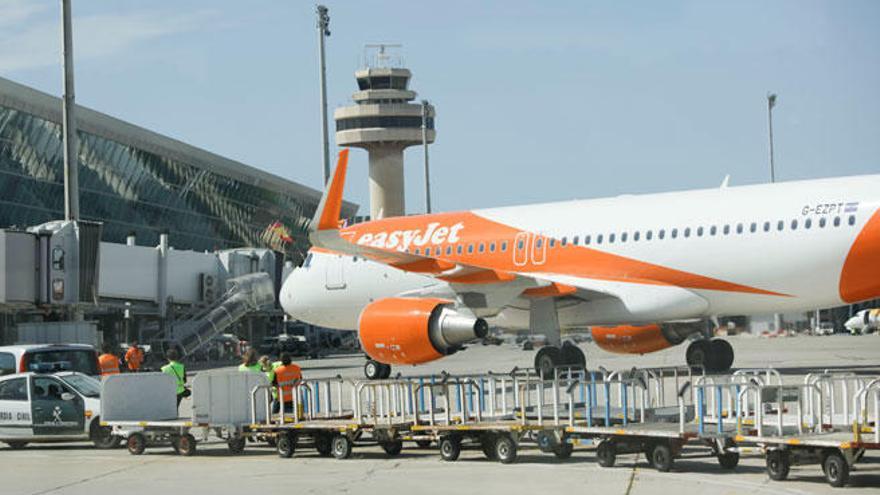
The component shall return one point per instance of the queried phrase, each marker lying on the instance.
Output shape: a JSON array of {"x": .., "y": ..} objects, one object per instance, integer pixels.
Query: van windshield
[{"x": 49, "y": 360}]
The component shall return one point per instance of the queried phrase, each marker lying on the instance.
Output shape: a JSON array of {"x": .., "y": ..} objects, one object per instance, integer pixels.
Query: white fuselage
[{"x": 789, "y": 239}]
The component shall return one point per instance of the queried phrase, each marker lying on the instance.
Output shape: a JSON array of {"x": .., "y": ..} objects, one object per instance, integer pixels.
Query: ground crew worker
[
  {"x": 134, "y": 357},
  {"x": 108, "y": 361},
  {"x": 286, "y": 376},
  {"x": 176, "y": 369},
  {"x": 268, "y": 367},
  {"x": 249, "y": 362}
]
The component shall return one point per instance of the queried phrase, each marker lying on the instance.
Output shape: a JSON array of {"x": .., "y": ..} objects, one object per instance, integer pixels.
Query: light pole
[
  {"x": 771, "y": 102},
  {"x": 425, "y": 107},
  {"x": 324, "y": 31},
  {"x": 71, "y": 167}
]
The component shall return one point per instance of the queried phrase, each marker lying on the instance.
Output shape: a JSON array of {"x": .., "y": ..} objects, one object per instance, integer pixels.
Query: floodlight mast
[{"x": 323, "y": 32}]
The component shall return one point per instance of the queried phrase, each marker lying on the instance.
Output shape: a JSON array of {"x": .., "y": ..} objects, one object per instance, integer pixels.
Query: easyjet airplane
[{"x": 644, "y": 272}]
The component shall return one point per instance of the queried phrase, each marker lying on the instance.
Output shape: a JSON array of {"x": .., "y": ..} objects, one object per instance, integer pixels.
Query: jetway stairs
[{"x": 243, "y": 295}]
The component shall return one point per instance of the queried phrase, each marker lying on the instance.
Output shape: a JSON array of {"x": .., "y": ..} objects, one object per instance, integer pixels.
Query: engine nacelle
[
  {"x": 403, "y": 330},
  {"x": 642, "y": 339}
]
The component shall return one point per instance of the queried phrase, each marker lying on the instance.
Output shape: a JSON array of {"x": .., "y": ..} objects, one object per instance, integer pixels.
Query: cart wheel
[
  {"x": 505, "y": 449},
  {"x": 103, "y": 437},
  {"x": 563, "y": 450},
  {"x": 450, "y": 448},
  {"x": 185, "y": 444},
  {"x": 136, "y": 444},
  {"x": 236, "y": 444},
  {"x": 487, "y": 444},
  {"x": 661, "y": 457},
  {"x": 285, "y": 444},
  {"x": 423, "y": 444},
  {"x": 778, "y": 465},
  {"x": 545, "y": 441},
  {"x": 16, "y": 444},
  {"x": 836, "y": 469},
  {"x": 606, "y": 453},
  {"x": 341, "y": 447},
  {"x": 271, "y": 442},
  {"x": 393, "y": 447},
  {"x": 324, "y": 444},
  {"x": 728, "y": 460}
]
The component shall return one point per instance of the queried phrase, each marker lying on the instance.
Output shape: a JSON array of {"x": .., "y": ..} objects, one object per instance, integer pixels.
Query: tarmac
[{"x": 80, "y": 469}]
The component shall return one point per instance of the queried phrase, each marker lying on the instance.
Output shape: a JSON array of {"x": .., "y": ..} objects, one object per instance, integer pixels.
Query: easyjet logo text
[{"x": 401, "y": 240}]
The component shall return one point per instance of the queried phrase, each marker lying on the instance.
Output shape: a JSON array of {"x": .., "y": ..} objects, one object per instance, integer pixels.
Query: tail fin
[{"x": 327, "y": 214}]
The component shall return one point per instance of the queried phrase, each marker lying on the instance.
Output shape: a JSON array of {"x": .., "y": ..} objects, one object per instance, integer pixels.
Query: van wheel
[
  {"x": 136, "y": 444},
  {"x": 103, "y": 437},
  {"x": 16, "y": 444}
]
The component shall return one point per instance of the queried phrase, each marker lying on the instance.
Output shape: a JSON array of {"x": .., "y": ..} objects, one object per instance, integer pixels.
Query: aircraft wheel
[
  {"x": 386, "y": 371},
  {"x": 572, "y": 355},
  {"x": 697, "y": 354},
  {"x": 547, "y": 358},
  {"x": 722, "y": 354},
  {"x": 374, "y": 370}
]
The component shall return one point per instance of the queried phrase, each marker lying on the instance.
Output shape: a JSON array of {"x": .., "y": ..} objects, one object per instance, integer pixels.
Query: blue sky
[{"x": 536, "y": 101}]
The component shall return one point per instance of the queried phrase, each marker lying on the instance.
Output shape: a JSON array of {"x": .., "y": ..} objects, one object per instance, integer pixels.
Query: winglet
[{"x": 327, "y": 214}]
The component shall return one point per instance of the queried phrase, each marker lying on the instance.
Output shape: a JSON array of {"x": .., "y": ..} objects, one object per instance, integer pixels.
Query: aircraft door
[
  {"x": 55, "y": 408},
  {"x": 539, "y": 250},
  {"x": 335, "y": 274},
  {"x": 521, "y": 248}
]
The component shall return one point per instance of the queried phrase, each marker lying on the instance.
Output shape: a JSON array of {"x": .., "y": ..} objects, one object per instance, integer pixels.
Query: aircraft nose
[{"x": 292, "y": 295}]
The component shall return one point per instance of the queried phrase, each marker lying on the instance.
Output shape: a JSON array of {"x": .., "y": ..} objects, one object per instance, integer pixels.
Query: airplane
[{"x": 643, "y": 272}]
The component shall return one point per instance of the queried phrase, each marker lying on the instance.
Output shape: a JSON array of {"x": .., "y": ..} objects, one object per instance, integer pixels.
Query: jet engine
[
  {"x": 642, "y": 339},
  {"x": 402, "y": 330}
]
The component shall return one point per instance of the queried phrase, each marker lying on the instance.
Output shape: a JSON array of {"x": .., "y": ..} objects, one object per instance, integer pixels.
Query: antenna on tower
[{"x": 378, "y": 55}]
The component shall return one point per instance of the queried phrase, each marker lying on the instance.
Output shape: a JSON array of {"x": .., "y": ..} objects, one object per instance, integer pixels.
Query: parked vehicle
[
  {"x": 49, "y": 358},
  {"x": 48, "y": 408}
]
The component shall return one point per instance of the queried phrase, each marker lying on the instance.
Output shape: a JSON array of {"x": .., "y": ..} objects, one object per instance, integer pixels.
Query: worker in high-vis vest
[
  {"x": 249, "y": 362},
  {"x": 286, "y": 376},
  {"x": 176, "y": 369},
  {"x": 108, "y": 361},
  {"x": 134, "y": 357}
]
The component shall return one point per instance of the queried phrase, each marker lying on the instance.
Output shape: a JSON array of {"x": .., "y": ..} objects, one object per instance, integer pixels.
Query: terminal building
[
  {"x": 175, "y": 244},
  {"x": 135, "y": 181}
]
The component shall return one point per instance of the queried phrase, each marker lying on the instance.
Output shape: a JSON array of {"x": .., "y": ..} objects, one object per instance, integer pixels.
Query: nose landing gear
[
  {"x": 374, "y": 370},
  {"x": 714, "y": 355}
]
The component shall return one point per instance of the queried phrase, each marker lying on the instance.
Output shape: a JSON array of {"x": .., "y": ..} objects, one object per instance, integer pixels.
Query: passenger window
[
  {"x": 448, "y": 250},
  {"x": 726, "y": 229},
  {"x": 470, "y": 248},
  {"x": 794, "y": 224},
  {"x": 623, "y": 237},
  {"x": 636, "y": 236},
  {"x": 739, "y": 228},
  {"x": 713, "y": 230},
  {"x": 649, "y": 234},
  {"x": 14, "y": 389},
  {"x": 661, "y": 234},
  {"x": 552, "y": 242},
  {"x": 504, "y": 246},
  {"x": 753, "y": 227},
  {"x": 852, "y": 219},
  {"x": 674, "y": 233},
  {"x": 539, "y": 243},
  {"x": 7, "y": 363},
  {"x": 46, "y": 388},
  {"x": 564, "y": 241},
  {"x": 766, "y": 226},
  {"x": 599, "y": 239},
  {"x": 459, "y": 249},
  {"x": 610, "y": 238},
  {"x": 822, "y": 222},
  {"x": 520, "y": 245},
  {"x": 808, "y": 223},
  {"x": 687, "y": 232},
  {"x": 780, "y": 225},
  {"x": 837, "y": 221},
  {"x": 699, "y": 231},
  {"x": 417, "y": 251},
  {"x": 586, "y": 240},
  {"x": 482, "y": 247},
  {"x": 492, "y": 247},
  {"x": 575, "y": 240}
]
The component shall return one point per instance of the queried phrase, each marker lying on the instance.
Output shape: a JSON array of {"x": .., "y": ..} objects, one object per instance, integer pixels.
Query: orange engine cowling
[
  {"x": 642, "y": 339},
  {"x": 405, "y": 330}
]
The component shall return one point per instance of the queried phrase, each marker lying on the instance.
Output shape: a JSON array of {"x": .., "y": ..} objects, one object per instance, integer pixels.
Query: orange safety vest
[
  {"x": 134, "y": 357},
  {"x": 109, "y": 364},
  {"x": 284, "y": 374}
]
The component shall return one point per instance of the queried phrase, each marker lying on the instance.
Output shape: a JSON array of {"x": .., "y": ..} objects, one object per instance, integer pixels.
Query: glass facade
[
  {"x": 133, "y": 190},
  {"x": 383, "y": 122}
]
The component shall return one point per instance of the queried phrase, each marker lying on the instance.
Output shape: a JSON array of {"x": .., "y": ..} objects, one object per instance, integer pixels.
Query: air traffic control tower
[{"x": 383, "y": 121}]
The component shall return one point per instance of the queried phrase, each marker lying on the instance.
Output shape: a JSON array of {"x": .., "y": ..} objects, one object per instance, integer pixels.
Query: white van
[
  {"x": 49, "y": 358},
  {"x": 61, "y": 407}
]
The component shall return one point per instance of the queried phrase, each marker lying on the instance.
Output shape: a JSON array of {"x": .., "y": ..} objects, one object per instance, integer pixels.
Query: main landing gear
[
  {"x": 549, "y": 357},
  {"x": 714, "y": 355},
  {"x": 374, "y": 370}
]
